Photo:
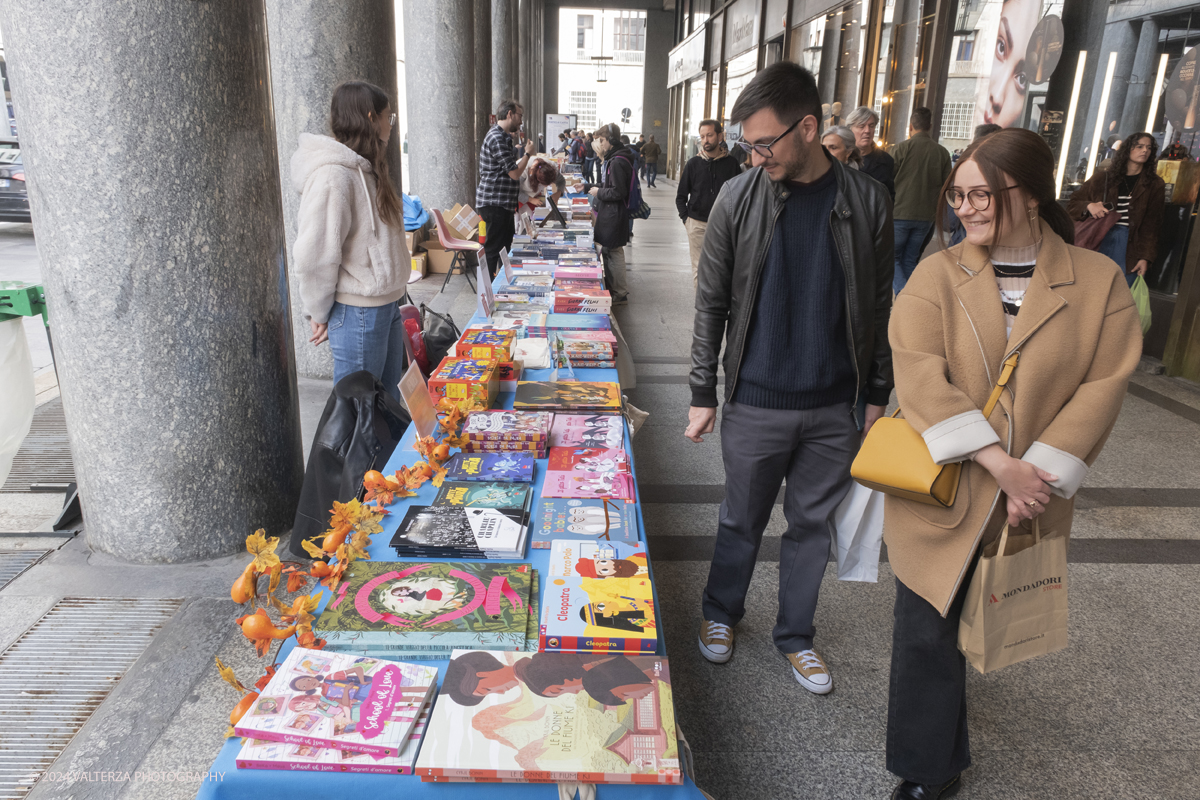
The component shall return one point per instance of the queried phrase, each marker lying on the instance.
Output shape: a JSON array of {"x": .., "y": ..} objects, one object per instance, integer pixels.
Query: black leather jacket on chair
[
  {"x": 359, "y": 429},
  {"x": 739, "y": 234}
]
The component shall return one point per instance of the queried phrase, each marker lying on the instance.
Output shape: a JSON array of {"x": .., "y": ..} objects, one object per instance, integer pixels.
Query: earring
[{"x": 1033, "y": 214}]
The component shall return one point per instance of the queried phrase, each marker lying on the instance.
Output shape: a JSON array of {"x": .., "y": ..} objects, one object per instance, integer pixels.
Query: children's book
[
  {"x": 597, "y": 560},
  {"x": 549, "y": 717},
  {"x": 578, "y": 322},
  {"x": 576, "y": 472},
  {"x": 588, "y": 459},
  {"x": 599, "y": 520},
  {"x": 452, "y": 531},
  {"x": 538, "y": 449},
  {"x": 508, "y": 426},
  {"x": 266, "y": 754},
  {"x": 607, "y": 614},
  {"x": 479, "y": 494},
  {"x": 508, "y": 466},
  {"x": 568, "y": 396},
  {"x": 588, "y": 430},
  {"x": 340, "y": 701}
]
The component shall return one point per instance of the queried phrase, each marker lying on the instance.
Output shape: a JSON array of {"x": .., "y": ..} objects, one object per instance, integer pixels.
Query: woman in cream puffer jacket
[{"x": 350, "y": 253}]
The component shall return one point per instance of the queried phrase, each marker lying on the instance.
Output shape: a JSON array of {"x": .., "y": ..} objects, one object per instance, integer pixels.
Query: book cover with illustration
[
  {"x": 588, "y": 472},
  {"x": 548, "y": 717},
  {"x": 588, "y": 430},
  {"x": 492, "y": 494},
  {"x": 578, "y": 322},
  {"x": 455, "y": 531},
  {"x": 266, "y": 754},
  {"x": 507, "y": 426},
  {"x": 340, "y": 701},
  {"x": 599, "y": 520},
  {"x": 598, "y": 601},
  {"x": 568, "y": 396},
  {"x": 440, "y": 605},
  {"x": 507, "y": 466}
]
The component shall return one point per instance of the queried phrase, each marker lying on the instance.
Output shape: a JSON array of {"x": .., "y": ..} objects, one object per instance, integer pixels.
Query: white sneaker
[
  {"x": 810, "y": 671},
  {"x": 716, "y": 642}
]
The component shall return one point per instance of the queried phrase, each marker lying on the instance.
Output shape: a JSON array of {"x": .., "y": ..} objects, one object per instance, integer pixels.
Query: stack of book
[
  {"x": 462, "y": 378},
  {"x": 591, "y": 354},
  {"x": 342, "y": 702},
  {"x": 588, "y": 430},
  {"x": 421, "y": 611},
  {"x": 595, "y": 718},
  {"x": 507, "y": 431},
  {"x": 596, "y": 397},
  {"x": 591, "y": 472},
  {"x": 581, "y": 300},
  {"x": 452, "y": 531},
  {"x": 601, "y": 520}
]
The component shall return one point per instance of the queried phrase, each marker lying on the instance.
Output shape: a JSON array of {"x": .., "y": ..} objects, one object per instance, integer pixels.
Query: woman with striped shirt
[{"x": 1130, "y": 188}]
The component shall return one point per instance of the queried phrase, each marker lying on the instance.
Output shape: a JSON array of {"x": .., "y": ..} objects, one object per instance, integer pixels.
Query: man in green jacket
[
  {"x": 922, "y": 166},
  {"x": 650, "y": 153}
]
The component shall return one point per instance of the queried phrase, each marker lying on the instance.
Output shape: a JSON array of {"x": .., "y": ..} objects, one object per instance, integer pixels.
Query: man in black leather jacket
[{"x": 795, "y": 277}]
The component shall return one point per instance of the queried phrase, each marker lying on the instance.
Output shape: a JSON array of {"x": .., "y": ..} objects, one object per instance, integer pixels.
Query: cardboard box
[
  {"x": 463, "y": 221},
  {"x": 460, "y": 378},
  {"x": 438, "y": 258},
  {"x": 414, "y": 238},
  {"x": 419, "y": 264},
  {"x": 481, "y": 343}
]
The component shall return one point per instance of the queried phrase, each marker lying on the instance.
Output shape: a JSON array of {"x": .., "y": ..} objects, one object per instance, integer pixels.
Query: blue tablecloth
[{"x": 235, "y": 784}]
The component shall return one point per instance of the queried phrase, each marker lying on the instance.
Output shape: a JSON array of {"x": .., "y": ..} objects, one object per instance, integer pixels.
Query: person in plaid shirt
[{"x": 499, "y": 181}]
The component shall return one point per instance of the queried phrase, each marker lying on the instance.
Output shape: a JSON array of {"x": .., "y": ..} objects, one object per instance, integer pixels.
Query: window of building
[
  {"x": 583, "y": 106},
  {"x": 956, "y": 120},
  {"x": 629, "y": 31},
  {"x": 966, "y": 47},
  {"x": 583, "y": 39}
]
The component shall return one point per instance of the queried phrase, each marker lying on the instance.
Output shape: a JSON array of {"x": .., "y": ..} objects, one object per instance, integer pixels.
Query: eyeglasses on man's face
[
  {"x": 764, "y": 150},
  {"x": 980, "y": 199}
]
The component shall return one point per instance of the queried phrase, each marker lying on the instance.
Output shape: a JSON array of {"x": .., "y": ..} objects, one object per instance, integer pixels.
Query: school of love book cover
[
  {"x": 547, "y": 717},
  {"x": 341, "y": 701}
]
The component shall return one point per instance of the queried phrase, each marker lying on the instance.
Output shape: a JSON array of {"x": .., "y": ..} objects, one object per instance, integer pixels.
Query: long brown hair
[
  {"x": 354, "y": 102},
  {"x": 1121, "y": 160},
  {"x": 1027, "y": 161}
]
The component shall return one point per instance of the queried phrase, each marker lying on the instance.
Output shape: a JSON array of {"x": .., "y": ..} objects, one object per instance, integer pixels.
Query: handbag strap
[{"x": 1006, "y": 372}]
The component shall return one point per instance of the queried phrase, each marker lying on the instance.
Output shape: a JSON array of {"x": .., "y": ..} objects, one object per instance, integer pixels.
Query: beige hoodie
[{"x": 343, "y": 250}]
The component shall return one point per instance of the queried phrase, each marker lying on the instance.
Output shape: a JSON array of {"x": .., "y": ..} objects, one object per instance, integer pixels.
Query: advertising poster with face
[{"x": 1021, "y": 42}]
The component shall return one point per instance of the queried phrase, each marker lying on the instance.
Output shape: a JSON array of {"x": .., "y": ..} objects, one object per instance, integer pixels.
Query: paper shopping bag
[
  {"x": 858, "y": 534},
  {"x": 1016, "y": 605}
]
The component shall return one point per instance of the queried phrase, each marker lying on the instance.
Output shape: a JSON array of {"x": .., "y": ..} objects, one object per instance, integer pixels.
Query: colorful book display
[
  {"x": 588, "y": 472},
  {"x": 598, "y": 598},
  {"x": 472, "y": 494},
  {"x": 411, "y": 610},
  {"x": 517, "y": 467},
  {"x": 599, "y": 520},
  {"x": 462, "y": 378},
  {"x": 454, "y": 532},
  {"x": 594, "y": 396},
  {"x": 587, "y": 430},
  {"x": 340, "y": 701},
  {"x": 266, "y": 754},
  {"x": 480, "y": 343},
  {"x": 508, "y": 426},
  {"x": 548, "y": 717}
]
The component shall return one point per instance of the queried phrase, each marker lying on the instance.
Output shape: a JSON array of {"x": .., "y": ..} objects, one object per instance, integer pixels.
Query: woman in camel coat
[{"x": 1013, "y": 285}]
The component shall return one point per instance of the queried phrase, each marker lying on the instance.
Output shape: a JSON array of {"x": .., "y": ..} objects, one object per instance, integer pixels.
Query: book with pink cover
[
  {"x": 587, "y": 430},
  {"x": 267, "y": 754},
  {"x": 340, "y": 701},
  {"x": 583, "y": 472}
]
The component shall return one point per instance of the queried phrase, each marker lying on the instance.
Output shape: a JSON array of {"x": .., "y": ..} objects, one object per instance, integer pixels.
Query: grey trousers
[
  {"x": 761, "y": 447},
  {"x": 614, "y": 271}
]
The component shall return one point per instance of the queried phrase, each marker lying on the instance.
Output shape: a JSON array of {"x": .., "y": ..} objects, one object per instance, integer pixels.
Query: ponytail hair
[
  {"x": 352, "y": 114},
  {"x": 1026, "y": 160}
]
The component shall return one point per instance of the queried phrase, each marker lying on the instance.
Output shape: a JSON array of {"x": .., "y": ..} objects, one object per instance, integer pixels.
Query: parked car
[{"x": 14, "y": 199}]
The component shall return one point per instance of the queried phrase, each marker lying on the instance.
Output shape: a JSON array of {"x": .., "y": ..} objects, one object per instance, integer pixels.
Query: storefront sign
[
  {"x": 742, "y": 19},
  {"x": 686, "y": 61}
]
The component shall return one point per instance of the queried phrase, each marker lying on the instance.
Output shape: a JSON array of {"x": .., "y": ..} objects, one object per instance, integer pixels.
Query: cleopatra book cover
[
  {"x": 478, "y": 604},
  {"x": 568, "y": 395}
]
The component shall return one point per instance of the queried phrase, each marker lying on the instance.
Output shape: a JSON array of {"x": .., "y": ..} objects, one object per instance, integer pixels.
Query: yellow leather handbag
[{"x": 894, "y": 459}]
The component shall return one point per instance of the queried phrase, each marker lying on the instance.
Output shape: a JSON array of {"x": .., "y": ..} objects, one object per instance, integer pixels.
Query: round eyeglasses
[
  {"x": 980, "y": 199},
  {"x": 764, "y": 150}
]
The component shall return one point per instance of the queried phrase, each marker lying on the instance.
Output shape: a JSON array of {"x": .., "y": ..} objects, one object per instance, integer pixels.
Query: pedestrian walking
[
  {"x": 795, "y": 279},
  {"x": 839, "y": 141},
  {"x": 1131, "y": 189},
  {"x": 650, "y": 154},
  {"x": 499, "y": 175},
  {"x": 922, "y": 166},
  {"x": 612, "y": 207},
  {"x": 589, "y": 160},
  {"x": 876, "y": 163},
  {"x": 1015, "y": 284},
  {"x": 349, "y": 253},
  {"x": 699, "y": 184}
]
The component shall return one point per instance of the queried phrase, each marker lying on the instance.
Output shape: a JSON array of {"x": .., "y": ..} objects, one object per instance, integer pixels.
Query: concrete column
[
  {"x": 1141, "y": 82},
  {"x": 312, "y": 51},
  {"x": 439, "y": 72},
  {"x": 164, "y": 263},
  {"x": 504, "y": 52},
  {"x": 1126, "y": 56},
  {"x": 1119, "y": 38},
  {"x": 483, "y": 72},
  {"x": 656, "y": 97}
]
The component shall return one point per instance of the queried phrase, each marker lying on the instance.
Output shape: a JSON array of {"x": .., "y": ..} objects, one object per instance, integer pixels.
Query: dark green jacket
[{"x": 922, "y": 166}]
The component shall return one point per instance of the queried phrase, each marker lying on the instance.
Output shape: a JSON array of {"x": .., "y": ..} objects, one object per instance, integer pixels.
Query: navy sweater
[{"x": 797, "y": 352}]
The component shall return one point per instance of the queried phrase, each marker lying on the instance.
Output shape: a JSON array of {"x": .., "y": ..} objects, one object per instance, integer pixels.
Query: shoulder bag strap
[{"x": 1006, "y": 372}]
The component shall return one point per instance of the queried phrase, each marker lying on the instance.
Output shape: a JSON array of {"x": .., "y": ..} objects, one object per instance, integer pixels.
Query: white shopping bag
[{"x": 858, "y": 534}]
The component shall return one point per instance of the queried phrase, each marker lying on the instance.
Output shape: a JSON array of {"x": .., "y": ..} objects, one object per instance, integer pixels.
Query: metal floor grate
[
  {"x": 45, "y": 455},
  {"x": 58, "y": 673},
  {"x": 14, "y": 562}
]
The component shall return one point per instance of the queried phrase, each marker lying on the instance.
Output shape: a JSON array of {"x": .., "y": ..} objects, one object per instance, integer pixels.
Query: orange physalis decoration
[{"x": 258, "y": 628}]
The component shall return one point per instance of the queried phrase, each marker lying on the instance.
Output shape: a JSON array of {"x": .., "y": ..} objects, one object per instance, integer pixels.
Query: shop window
[
  {"x": 583, "y": 106},
  {"x": 956, "y": 120}
]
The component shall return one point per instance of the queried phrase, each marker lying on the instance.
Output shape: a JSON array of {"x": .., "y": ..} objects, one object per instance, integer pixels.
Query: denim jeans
[
  {"x": 1114, "y": 245},
  {"x": 910, "y": 238},
  {"x": 368, "y": 338},
  {"x": 651, "y": 173}
]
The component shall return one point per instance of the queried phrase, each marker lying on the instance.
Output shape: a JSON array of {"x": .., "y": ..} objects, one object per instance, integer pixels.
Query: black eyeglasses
[
  {"x": 980, "y": 199},
  {"x": 764, "y": 150}
]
